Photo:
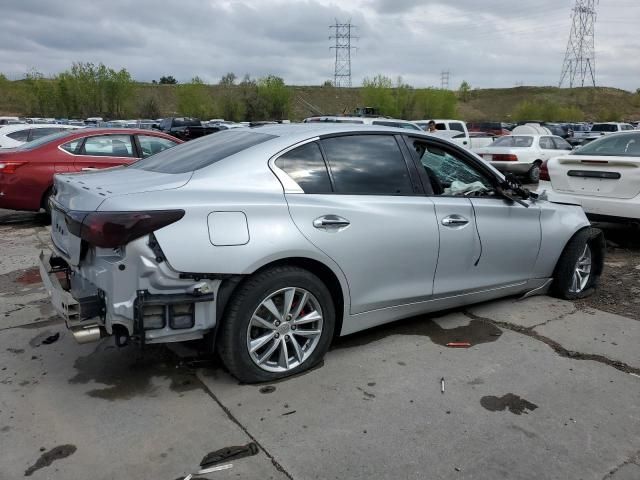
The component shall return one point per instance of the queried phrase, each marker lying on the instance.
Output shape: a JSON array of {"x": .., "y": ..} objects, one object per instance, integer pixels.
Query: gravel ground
[{"x": 619, "y": 287}]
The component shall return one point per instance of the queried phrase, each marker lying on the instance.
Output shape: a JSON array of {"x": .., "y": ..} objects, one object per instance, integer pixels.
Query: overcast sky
[{"x": 489, "y": 43}]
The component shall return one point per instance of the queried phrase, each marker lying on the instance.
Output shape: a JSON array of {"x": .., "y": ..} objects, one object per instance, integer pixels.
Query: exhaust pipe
[{"x": 87, "y": 335}]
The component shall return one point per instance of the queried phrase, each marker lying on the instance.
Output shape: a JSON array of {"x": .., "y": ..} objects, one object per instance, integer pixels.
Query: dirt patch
[
  {"x": 619, "y": 288},
  {"x": 29, "y": 276}
]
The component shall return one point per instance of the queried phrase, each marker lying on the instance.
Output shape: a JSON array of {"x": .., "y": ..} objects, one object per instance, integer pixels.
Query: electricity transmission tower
[
  {"x": 342, "y": 33},
  {"x": 580, "y": 58},
  {"x": 444, "y": 79}
]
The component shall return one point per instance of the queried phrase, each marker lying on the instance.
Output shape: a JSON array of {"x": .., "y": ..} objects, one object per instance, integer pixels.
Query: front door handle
[
  {"x": 454, "y": 221},
  {"x": 331, "y": 222}
]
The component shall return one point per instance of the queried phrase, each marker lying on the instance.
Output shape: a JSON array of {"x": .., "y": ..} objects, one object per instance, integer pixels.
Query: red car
[{"x": 26, "y": 172}]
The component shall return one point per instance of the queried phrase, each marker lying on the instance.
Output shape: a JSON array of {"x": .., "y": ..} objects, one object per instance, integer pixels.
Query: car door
[
  {"x": 104, "y": 151},
  {"x": 357, "y": 202},
  {"x": 486, "y": 241}
]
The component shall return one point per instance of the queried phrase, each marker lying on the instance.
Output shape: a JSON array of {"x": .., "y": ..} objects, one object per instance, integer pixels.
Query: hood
[{"x": 88, "y": 190}]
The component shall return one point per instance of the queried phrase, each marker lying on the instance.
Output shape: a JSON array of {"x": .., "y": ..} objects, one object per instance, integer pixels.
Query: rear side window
[
  {"x": 367, "y": 164},
  {"x": 108, "y": 146},
  {"x": 19, "y": 136},
  {"x": 72, "y": 146},
  {"x": 306, "y": 167},
  {"x": 202, "y": 152}
]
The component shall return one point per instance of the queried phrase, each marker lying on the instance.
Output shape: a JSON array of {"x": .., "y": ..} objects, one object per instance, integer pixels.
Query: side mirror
[{"x": 155, "y": 126}]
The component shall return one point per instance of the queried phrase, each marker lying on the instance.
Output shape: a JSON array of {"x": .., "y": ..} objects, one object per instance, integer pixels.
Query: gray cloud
[{"x": 493, "y": 43}]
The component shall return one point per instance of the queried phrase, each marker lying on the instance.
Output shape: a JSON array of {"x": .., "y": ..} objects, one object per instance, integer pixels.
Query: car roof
[
  {"x": 312, "y": 129},
  {"x": 28, "y": 126}
]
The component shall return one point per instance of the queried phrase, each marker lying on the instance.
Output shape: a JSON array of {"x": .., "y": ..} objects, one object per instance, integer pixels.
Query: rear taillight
[
  {"x": 544, "y": 171},
  {"x": 10, "y": 167},
  {"x": 504, "y": 157},
  {"x": 113, "y": 229}
]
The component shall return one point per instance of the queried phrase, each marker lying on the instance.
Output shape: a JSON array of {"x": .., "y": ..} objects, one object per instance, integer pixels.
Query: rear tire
[
  {"x": 275, "y": 345},
  {"x": 578, "y": 271}
]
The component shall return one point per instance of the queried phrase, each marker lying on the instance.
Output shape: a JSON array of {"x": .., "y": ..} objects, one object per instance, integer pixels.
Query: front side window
[
  {"x": 456, "y": 126},
  {"x": 306, "y": 167},
  {"x": 150, "y": 145},
  {"x": 449, "y": 174},
  {"x": 367, "y": 164},
  {"x": 546, "y": 143},
  {"x": 561, "y": 144},
  {"x": 604, "y": 127},
  {"x": 108, "y": 146}
]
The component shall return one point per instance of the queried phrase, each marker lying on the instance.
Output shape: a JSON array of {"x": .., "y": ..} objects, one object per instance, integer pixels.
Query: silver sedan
[{"x": 269, "y": 242}]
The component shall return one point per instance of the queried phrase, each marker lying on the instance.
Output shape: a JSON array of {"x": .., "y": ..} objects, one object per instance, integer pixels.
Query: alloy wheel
[
  {"x": 582, "y": 271},
  {"x": 285, "y": 329}
]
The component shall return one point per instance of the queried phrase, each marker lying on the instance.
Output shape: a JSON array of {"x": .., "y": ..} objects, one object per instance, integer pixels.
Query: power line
[
  {"x": 342, "y": 33},
  {"x": 580, "y": 58}
]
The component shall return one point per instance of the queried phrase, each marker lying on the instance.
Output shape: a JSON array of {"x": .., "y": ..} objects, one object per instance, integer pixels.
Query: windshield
[
  {"x": 514, "y": 141},
  {"x": 624, "y": 145},
  {"x": 202, "y": 152},
  {"x": 604, "y": 127},
  {"x": 44, "y": 140}
]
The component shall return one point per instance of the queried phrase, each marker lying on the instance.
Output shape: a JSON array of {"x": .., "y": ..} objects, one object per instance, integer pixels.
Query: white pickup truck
[{"x": 456, "y": 131}]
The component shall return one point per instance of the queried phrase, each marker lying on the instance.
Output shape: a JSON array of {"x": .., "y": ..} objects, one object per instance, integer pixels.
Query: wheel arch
[{"x": 333, "y": 281}]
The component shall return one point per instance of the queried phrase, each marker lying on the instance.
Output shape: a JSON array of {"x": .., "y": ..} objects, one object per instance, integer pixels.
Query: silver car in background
[{"x": 268, "y": 242}]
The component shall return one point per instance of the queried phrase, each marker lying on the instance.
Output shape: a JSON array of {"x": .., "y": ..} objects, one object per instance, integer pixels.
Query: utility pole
[
  {"x": 342, "y": 33},
  {"x": 444, "y": 79},
  {"x": 580, "y": 58}
]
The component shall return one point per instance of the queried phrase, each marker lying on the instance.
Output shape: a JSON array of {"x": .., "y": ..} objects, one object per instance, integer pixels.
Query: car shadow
[{"x": 24, "y": 219}]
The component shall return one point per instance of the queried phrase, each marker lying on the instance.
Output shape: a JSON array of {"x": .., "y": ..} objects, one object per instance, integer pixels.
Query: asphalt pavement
[{"x": 546, "y": 390}]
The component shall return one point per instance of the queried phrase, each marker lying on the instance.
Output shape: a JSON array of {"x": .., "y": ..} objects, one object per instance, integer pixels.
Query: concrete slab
[
  {"x": 116, "y": 418},
  {"x": 631, "y": 471},
  {"x": 591, "y": 331},
  {"x": 524, "y": 313},
  {"x": 512, "y": 408}
]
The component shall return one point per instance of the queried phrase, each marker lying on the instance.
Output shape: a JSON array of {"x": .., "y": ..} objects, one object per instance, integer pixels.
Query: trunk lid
[
  {"x": 86, "y": 191},
  {"x": 598, "y": 176}
]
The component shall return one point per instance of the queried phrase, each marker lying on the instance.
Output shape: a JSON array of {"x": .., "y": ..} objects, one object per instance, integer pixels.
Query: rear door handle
[
  {"x": 331, "y": 222},
  {"x": 454, "y": 221}
]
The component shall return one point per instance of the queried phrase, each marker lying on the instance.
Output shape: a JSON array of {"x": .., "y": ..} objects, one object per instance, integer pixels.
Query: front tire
[
  {"x": 533, "y": 175},
  {"x": 577, "y": 272},
  {"x": 278, "y": 323}
]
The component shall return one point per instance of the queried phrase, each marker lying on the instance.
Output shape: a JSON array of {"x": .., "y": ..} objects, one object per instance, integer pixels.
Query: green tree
[
  {"x": 41, "y": 98},
  {"x": 435, "y": 103},
  {"x": 464, "y": 92},
  {"x": 194, "y": 99},
  {"x": 275, "y": 96},
  {"x": 228, "y": 79},
  {"x": 168, "y": 80},
  {"x": 377, "y": 93}
]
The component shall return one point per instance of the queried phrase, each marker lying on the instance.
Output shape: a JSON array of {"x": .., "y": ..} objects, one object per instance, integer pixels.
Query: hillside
[{"x": 599, "y": 103}]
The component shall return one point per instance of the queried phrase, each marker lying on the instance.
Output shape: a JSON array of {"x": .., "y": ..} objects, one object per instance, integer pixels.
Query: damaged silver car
[{"x": 268, "y": 242}]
